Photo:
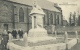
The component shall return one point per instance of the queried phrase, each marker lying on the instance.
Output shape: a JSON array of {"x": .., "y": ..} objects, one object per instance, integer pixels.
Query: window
[
  {"x": 21, "y": 15},
  {"x": 4, "y": 10},
  {"x": 44, "y": 22},
  {"x": 15, "y": 10},
  {"x": 58, "y": 19},
  {"x": 34, "y": 21},
  {"x": 51, "y": 18},
  {"x": 47, "y": 18}
]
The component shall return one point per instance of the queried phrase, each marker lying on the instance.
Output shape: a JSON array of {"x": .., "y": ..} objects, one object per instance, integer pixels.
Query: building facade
[{"x": 14, "y": 14}]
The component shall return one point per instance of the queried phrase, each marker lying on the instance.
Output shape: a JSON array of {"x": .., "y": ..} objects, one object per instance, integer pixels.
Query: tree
[
  {"x": 78, "y": 20},
  {"x": 70, "y": 18},
  {"x": 74, "y": 18}
]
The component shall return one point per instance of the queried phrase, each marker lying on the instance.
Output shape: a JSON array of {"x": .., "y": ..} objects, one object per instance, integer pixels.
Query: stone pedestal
[{"x": 38, "y": 35}]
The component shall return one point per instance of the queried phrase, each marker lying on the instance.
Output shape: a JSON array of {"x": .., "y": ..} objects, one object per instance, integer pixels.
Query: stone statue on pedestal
[{"x": 38, "y": 32}]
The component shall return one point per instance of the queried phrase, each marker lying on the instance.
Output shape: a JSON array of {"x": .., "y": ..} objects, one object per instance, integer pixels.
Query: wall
[
  {"x": 9, "y": 14},
  {"x": 6, "y": 13},
  {"x": 24, "y": 25}
]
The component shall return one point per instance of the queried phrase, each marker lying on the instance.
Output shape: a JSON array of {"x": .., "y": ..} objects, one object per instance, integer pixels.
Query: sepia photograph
[{"x": 39, "y": 24}]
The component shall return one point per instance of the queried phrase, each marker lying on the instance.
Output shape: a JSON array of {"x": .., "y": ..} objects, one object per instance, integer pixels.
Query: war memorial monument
[{"x": 37, "y": 38}]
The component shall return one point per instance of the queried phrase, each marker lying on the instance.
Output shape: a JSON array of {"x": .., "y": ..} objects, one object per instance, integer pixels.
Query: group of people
[
  {"x": 5, "y": 36},
  {"x": 17, "y": 33}
]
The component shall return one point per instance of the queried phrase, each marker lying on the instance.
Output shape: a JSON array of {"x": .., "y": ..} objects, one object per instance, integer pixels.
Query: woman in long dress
[{"x": 4, "y": 39}]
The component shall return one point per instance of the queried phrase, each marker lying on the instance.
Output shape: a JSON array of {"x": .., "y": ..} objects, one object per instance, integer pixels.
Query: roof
[{"x": 42, "y": 3}]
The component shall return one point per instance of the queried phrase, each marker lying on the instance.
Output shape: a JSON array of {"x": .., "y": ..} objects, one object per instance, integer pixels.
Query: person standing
[
  {"x": 14, "y": 33},
  {"x": 20, "y": 32},
  {"x": 5, "y": 38},
  {"x": 8, "y": 31}
]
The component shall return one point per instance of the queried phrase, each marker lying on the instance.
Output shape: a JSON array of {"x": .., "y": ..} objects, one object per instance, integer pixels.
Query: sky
[{"x": 68, "y": 6}]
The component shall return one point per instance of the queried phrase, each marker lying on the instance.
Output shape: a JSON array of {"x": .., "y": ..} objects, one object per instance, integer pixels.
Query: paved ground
[
  {"x": 3, "y": 48},
  {"x": 76, "y": 47}
]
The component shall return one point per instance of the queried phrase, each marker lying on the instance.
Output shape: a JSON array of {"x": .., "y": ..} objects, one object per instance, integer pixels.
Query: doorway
[{"x": 6, "y": 27}]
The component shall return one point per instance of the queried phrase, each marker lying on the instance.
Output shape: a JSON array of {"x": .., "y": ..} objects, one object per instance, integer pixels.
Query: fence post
[
  {"x": 66, "y": 40},
  {"x": 25, "y": 40},
  {"x": 55, "y": 34},
  {"x": 53, "y": 29},
  {"x": 57, "y": 47},
  {"x": 10, "y": 37},
  {"x": 76, "y": 36}
]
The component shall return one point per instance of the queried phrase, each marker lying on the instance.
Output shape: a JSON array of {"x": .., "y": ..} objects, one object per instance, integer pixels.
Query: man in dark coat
[
  {"x": 14, "y": 33},
  {"x": 20, "y": 32}
]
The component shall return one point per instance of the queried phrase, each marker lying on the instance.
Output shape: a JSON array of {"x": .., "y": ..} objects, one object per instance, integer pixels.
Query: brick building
[{"x": 15, "y": 14}]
